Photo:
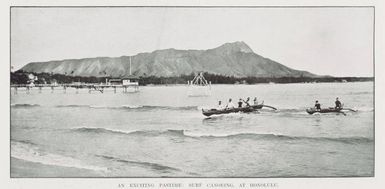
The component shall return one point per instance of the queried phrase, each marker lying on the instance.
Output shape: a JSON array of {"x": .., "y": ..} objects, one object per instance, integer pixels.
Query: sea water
[{"x": 160, "y": 132}]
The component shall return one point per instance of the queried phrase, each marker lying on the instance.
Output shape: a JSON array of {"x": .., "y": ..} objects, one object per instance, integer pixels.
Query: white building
[
  {"x": 125, "y": 81},
  {"x": 130, "y": 81}
]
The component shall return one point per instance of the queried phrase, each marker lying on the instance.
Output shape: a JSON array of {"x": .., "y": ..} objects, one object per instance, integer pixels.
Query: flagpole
[{"x": 130, "y": 65}]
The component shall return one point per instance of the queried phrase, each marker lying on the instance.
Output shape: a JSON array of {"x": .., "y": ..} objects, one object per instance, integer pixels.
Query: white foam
[
  {"x": 106, "y": 129},
  {"x": 203, "y": 107},
  {"x": 363, "y": 109},
  {"x": 131, "y": 106},
  {"x": 24, "y": 104},
  {"x": 208, "y": 134},
  {"x": 31, "y": 153},
  {"x": 96, "y": 106}
]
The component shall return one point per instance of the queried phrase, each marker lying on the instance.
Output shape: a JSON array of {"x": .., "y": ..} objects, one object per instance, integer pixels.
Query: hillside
[{"x": 231, "y": 59}]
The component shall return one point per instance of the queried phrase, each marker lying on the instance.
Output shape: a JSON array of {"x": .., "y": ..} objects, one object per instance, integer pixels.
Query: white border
[{"x": 371, "y": 182}]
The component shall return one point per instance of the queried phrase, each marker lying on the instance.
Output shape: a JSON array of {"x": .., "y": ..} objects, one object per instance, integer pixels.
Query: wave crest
[
  {"x": 195, "y": 135},
  {"x": 28, "y": 151},
  {"x": 153, "y": 166},
  {"x": 24, "y": 105},
  {"x": 131, "y": 107}
]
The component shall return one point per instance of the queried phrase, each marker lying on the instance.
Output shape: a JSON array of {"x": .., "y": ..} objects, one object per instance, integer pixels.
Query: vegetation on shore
[{"x": 20, "y": 77}]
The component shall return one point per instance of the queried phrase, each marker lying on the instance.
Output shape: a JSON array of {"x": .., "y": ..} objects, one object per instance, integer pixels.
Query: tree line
[{"x": 20, "y": 77}]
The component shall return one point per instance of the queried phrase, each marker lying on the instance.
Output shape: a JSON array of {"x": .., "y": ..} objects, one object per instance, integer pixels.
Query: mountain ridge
[{"x": 230, "y": 59}]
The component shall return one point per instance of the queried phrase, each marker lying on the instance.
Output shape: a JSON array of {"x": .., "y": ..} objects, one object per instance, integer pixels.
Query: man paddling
[
  {"x": 230, "y": 104},
  {"x": 247, "y": 102},
  {"x": 240, "y": 102},
  {"x": 338, "y": 104},
  {"x": 317, "y": 105},
  {"x": 255, "y": 101},
  {"x": 220, "y": 106}
]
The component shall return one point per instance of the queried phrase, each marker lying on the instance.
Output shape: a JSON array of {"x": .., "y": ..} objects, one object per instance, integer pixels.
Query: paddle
[
  {"x": 269, "y": 107},
  {"x": 349, "y": 109}
]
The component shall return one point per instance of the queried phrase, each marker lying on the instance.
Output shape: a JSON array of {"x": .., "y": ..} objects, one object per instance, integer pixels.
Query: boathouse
[
  {"x": 125, "y": 81},
  {"x": 115, "y": 81},
  {"x": 130, "y": 81}
]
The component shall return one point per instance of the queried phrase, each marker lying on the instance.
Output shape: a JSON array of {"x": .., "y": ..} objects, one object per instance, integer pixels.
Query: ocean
[{"x": 161, "y": 132}]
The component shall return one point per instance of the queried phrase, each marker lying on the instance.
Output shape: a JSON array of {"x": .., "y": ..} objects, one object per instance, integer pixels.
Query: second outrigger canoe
[
  {"x": 234, "y": 110},
  {"x": 328, "y": 110}
]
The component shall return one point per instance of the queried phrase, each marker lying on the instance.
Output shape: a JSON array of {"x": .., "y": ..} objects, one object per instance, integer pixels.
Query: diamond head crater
[{"x": 230, "y": 63}]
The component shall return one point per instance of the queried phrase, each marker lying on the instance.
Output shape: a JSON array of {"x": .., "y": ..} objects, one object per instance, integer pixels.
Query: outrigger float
[
  {"x": 329, "y": 110},
  {"x": 246, "y": 109}
]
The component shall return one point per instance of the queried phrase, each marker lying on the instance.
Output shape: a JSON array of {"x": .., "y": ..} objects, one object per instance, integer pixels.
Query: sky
[{"x": 324, "y": 41}]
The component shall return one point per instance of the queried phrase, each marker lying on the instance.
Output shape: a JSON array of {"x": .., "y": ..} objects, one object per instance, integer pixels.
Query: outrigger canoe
[
  {"x": 328, "y": 110},
  {"x": 234, "y": 110}
]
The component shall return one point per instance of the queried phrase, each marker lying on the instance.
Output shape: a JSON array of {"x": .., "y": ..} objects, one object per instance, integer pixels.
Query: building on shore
[
  {"x": 124, "y": 81},
  {"x": 129, "y": 81}
]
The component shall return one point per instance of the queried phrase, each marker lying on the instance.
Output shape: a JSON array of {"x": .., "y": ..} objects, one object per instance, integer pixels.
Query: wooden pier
[{"x": 100, "y": 88}]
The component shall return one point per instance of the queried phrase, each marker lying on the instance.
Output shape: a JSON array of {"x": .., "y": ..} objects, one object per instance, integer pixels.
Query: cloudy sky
[{"x": 326, "y": 41}]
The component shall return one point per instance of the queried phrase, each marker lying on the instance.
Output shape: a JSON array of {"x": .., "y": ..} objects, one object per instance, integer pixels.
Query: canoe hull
[
  {"x": 329, "y": 110},
  {"x": 233, "y": 110}
]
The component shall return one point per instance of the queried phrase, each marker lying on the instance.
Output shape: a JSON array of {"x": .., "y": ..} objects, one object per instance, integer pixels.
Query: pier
[
  {"x": 125, "y": 84},
  {"x": 100, "y": 88}
]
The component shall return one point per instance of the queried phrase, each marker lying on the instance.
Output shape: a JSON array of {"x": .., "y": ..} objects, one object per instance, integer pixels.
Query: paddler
[
  {"x": 338, "y": 104},
  {"x": 255, "y": 101},
  {"x": 230, "y": 104},
  {"x": 247, "y": 102},
  {"x": 240, "y": 102},
  {"x": 317, "y": 105},
  {"x": 220, "y": 106}
]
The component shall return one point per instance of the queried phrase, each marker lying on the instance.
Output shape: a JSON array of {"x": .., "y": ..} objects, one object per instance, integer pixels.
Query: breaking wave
[
  {"x": 72, "y": 106},
  {"x": 24, "y": 105},
  {"x": 121, "y": 132},
  {"x": 153, "y": 166},
  {"x": 196, "y": 135},
  {"x": 131, "y": 107},
  {"x": 28, "y": 151}
]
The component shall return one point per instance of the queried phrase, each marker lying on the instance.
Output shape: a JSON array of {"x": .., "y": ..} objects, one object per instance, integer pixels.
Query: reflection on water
[{"x": 317, "y": 120}]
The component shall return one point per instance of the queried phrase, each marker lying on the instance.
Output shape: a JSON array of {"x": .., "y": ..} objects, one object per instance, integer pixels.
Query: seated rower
[
  {"x": 230, "y": 104},
  {"x": 338, "y": 104},
  {"x": 220, "y": 105},
  {"x": 255, "y": 101},
  {"x": 247, "y": 102},
  {"x": 317, "y": 105},
  {"x": 240, "y": 103}
]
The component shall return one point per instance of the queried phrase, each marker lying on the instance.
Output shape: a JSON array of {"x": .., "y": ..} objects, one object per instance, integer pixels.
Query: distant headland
[{"x": 229, "y": 63}]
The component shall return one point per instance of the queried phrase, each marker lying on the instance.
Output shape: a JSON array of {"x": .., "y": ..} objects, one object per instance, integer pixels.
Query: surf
[
  {"x": 28, "y": 151},
  {"x": 230, "y": 135}
]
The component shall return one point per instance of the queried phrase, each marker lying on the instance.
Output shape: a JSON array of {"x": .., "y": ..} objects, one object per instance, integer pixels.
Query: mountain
[{"x": 230, "y": 59}]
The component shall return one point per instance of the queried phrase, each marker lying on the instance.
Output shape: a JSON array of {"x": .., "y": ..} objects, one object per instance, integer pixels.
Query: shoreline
[
  {"x": 240, "y": 84},
  {"x": 27, "y": 169}
]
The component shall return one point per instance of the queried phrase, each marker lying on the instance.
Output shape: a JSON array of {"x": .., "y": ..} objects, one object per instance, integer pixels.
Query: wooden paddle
[{"x": 269, "y": 107}]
